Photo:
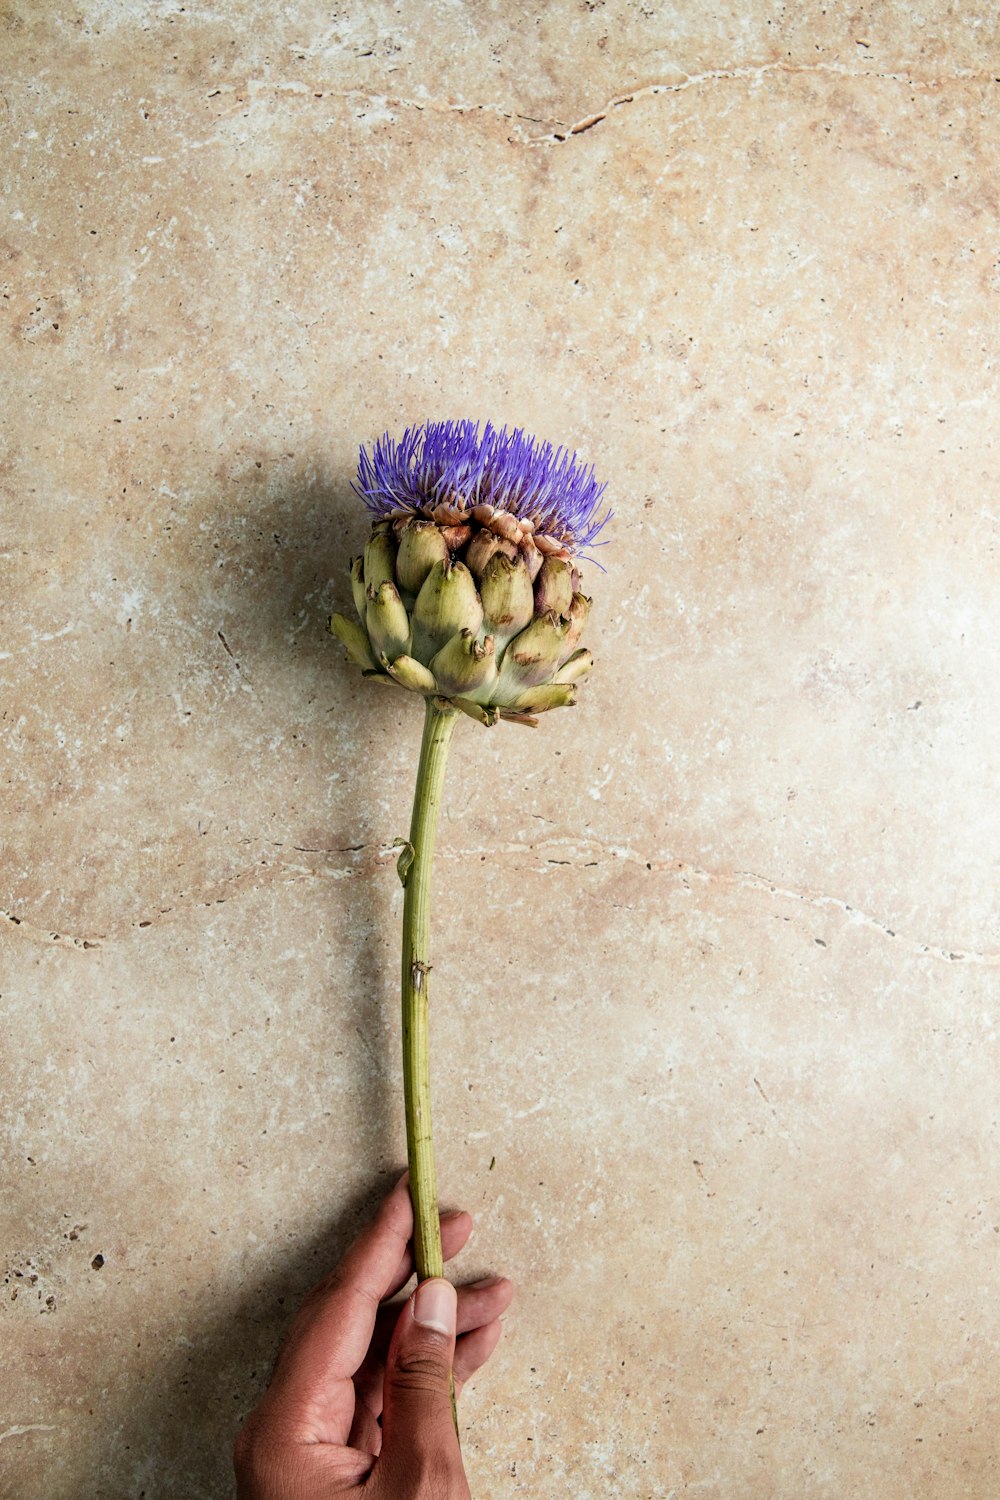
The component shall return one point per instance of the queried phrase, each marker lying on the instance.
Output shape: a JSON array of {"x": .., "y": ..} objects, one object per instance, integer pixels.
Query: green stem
[{"x": 415, "y": 869}]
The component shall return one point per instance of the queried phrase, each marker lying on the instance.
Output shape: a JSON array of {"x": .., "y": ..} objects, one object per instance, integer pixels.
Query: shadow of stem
[
  {"x": 288, "y": 550},
  {"x": 175, "y": 1441}
]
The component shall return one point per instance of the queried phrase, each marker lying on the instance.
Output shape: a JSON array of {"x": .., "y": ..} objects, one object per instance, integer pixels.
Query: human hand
[{"x": 360, "y": 1400}]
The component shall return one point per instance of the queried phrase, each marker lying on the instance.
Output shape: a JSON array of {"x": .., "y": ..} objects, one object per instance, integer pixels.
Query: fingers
[
  {"x": 483, "y": 1301},
  {"x": 473, "y": 1350},
  {"x": 479, "y": 1305},
  {"x": 366, "y": 1431},
  {"x": 420, "y": 1452},
  {"x": 455, "y": 1230},
  {"x": 456, "y": 1226},
  {"x": 332, "y": 1332},
  {"x": 337, "y": 1346}
]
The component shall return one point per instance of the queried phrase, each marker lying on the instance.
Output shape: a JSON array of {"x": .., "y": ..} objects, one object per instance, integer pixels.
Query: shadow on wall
[{"x": 270, "y": 568}]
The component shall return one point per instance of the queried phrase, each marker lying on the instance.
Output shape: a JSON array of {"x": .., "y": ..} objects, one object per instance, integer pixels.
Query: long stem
[{"x": 415, "y": 870}]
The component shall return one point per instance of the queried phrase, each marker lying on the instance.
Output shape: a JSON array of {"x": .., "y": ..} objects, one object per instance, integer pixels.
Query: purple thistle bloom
[{"x": 455, "y": 463}]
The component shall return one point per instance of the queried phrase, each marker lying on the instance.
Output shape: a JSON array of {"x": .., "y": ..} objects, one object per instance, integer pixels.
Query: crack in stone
[
  {"x": 750, "y": 881},
  {"x": 25, "y": 1427},
  {"x": 541, "y": 856},
  {"x": 43, "y": 935},
  {"x": 754, "y": 72},
  {"x": 256, "y": 90},
  {"x": 742, "y": 879}
]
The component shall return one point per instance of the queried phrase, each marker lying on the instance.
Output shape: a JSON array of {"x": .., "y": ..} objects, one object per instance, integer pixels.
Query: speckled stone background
[{"x": 716, "y": 1022}]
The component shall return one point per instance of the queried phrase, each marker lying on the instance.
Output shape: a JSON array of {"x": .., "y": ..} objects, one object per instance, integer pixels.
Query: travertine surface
[{"x": 717, "y": 956}]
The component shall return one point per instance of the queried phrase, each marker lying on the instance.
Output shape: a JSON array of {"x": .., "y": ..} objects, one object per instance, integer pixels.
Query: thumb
[{"x": 419, "y": 1442}]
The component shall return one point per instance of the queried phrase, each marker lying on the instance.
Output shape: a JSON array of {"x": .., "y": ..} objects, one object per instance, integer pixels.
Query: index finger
[{"x": 330, "y": 1336}]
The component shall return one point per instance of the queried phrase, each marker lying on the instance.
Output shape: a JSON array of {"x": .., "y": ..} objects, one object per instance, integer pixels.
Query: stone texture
[{"x": 717, "y": 954}]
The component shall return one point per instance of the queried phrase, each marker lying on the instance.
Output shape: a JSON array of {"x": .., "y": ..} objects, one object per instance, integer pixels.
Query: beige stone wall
[{"x": 717, "y": 953}]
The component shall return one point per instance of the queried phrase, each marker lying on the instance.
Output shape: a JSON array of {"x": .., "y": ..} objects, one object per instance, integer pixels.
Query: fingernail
[
  {"x": 434, "y": 1306},
  {"x": 485, "y": 1281}
]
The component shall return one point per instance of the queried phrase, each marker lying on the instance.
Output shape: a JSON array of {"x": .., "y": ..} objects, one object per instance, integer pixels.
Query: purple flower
[{"x": 454, "y": 463}]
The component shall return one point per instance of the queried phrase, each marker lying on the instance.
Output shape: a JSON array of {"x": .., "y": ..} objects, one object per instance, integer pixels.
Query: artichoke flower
[{"x": 468, "y": 591}]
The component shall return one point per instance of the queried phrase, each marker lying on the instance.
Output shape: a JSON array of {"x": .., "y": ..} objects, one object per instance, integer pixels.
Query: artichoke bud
[
  {"x": 358, "y": 587},
  {"x": 579, "y": 609},
  {"x": 352, "y": 635},
  {"x": 421, "y": 545},
  {"x": 575, "y": 666},
  {"x": 447, "y": 603},
  {"x": 508, "y": 603},
  {"x": 533, "y": 656},
  {"x": 554, "y": 586},
  {"x": 412, "y": 674},
  {"x": 380, "y": 557},
  {"x": 486, "y": 716},
  {"x": 456, "y": 536},
  {"x": 387, "y": 622},
  {"x": 537, "y": 700},
  {"x": 484, "y": 546},
  {"x": 463, "y": 668},
  {"x": 468, "y": 589},
  {"x": 532, "y": 557}
]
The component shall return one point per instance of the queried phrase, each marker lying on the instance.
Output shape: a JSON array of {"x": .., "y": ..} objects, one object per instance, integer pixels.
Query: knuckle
[{"x": 421, "y": 1369}]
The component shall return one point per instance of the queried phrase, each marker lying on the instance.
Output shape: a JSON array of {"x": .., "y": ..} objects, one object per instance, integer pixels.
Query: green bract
[{"x": 471, "y": 610}]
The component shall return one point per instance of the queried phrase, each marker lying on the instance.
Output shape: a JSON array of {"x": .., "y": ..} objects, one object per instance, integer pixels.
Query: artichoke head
[{"x": 469, "y": 607}]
